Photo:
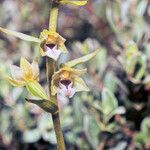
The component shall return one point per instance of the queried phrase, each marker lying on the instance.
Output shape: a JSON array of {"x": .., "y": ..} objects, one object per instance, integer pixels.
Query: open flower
[
  {"x": 27, "y": 75},
  {"x": 67, "y": 81},
  {"x": 52, "y": 44}
]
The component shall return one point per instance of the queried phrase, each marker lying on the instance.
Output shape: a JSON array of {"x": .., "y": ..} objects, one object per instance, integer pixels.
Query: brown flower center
[
  {"x": 50, "y": 45},
  {"x": 65, "y": 82}
]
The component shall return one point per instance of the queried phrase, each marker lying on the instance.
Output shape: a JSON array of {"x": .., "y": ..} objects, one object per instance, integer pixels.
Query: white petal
[
  {"x": 63, "y": 90},
  {"x": 16, "y": 72},
  {"x": 66, "y": 92},
  {"x": 71, "y": 91},
  {"x": 52, "y": 53},
  {"x": 62, "y": 86}
]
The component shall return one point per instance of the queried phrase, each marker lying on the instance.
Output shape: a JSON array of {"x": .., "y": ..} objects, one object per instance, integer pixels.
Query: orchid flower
[
  {"x": 67, "y": 81},
  {"x": 51, "y": 43},
  {"x": 27, "y": 75}
]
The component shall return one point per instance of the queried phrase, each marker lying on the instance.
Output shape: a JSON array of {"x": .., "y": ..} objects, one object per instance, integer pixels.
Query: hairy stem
[
  {"x": 53, "y": 17},
  {"x": 50, "y": 69}
]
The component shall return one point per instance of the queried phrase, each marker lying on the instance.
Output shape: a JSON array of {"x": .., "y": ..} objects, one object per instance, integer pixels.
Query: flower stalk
[
  {"x": 53, "y": 17},
  {"x": 50, "y": 70}
]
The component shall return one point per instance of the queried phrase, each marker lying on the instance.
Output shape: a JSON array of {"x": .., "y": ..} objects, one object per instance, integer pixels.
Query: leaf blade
[
  {"x": 109, "y": 101},
  {"x": 46, "y": 105}
]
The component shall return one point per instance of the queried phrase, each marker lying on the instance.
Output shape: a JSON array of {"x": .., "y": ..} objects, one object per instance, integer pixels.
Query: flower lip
[
  {"x": 51, "y": 46},
  {"x": 65, "y": 82}
]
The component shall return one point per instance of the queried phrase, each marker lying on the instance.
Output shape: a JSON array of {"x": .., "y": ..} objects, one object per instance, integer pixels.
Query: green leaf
[
  {"x": 110, "y": 19},
  {"x": 139, "y": 137},
  {"x": 118, "y": 110},
  {"x": 20, "y": 35},
  {"x": 75, "y": 3},
  {"x": 141, "y": 8},
  {"x": 110, "y": 78},
  {"x": 49, "y": 136},
  {"x": 46, "y": 105},
  {"x": 141, "y": 71},
  {"x": 145, "y": 126},
  {"x": 111, "y": 126},
  {"x": 130, "y": 58},
  {"x": 36, "y": 89},
  {"x": 80, "y": 60},
  {"x": 131, "y": 51},
  {"x": 144, "y": 135},
  {"x": 31, "y": 136},
  {"x": 133, "y": 62},
  {"x": 109, "y": 102},
  {"x": 89, "y": 125},
  {"x": 71, "y": 137}
]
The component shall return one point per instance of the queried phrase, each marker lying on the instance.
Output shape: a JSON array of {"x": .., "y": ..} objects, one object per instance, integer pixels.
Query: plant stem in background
[{"x": 50, "y": 69}]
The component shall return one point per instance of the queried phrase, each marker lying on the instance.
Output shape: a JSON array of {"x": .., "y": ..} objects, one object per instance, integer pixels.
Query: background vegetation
[{"x": 114, "y": 115}]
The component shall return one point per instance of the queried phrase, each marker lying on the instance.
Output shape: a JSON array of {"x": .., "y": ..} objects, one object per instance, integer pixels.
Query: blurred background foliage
[{"x": 115, "y": 114}]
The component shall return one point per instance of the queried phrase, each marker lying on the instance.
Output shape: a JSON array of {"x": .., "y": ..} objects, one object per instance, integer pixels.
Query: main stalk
[{"x": 50, "y": 69}]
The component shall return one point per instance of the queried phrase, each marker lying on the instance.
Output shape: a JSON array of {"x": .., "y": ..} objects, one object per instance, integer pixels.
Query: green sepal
[
  {"x": 81, "y": 60},
  {"x": 20, "y": 35},
  {"x": 46, "y": 105},
  {"x": 36, "y": 89},
  {"x": 72, "y": 2}
]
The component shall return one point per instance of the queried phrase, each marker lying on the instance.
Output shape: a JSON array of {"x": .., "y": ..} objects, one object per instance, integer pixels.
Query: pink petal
[{"x": 67, "y": 91}]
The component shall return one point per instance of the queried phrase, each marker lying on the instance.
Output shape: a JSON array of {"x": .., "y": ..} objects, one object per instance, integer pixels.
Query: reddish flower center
[
  {"x": 50, "y": 45},
  {"x": 65, "y": 82}
]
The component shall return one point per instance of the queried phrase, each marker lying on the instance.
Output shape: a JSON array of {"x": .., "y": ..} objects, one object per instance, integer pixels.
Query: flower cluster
[{"x": 67, "y": 80}]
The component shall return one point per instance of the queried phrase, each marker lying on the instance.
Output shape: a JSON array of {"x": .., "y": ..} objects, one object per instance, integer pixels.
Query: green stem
[
  {"x": 53, "y": 17},
  {"x": 50, "y": 69},
  {"x": 58, "y": 131}
]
